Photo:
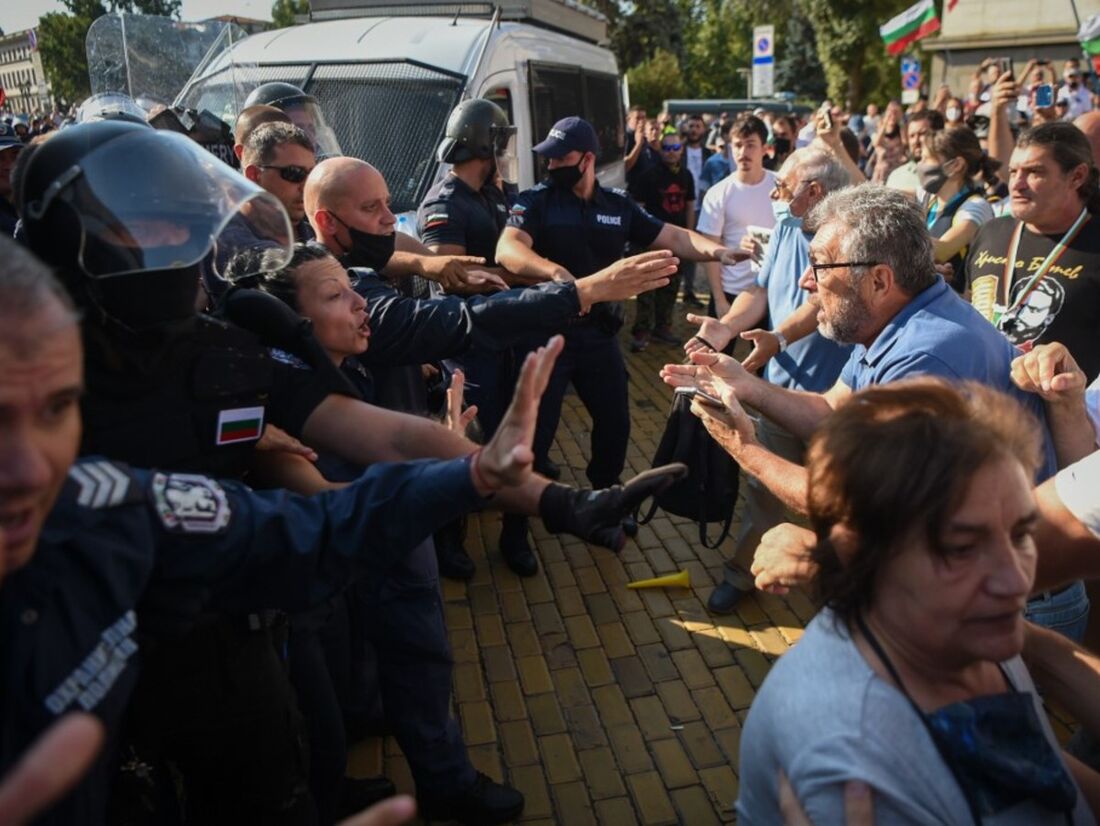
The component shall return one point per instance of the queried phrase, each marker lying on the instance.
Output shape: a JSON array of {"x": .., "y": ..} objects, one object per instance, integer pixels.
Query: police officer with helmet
[
  {"x": 570, "y": 227},
  {"x": 90, "y": 548},
  {"x": 464, "y": 214},
  {"x": 302, "y": 109},
  {"x": 128, "y": 216}
]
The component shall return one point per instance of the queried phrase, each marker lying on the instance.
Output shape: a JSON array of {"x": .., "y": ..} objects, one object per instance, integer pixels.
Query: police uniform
[
  {"x": 69, "y": 619},
  {"x": 454, "y": 213},
  {"x": 585, "y": 237},
  {"x": 197, "y": 399}
]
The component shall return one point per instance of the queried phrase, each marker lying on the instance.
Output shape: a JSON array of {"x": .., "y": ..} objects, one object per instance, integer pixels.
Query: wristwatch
[{"x": 782, "y": 339}]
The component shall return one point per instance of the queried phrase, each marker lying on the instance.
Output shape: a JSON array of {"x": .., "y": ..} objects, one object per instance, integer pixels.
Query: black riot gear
[
  {"x": 303, "y": 110},
  {"x": 477, "y": 128},
  {"x": 129, "y": 215}
]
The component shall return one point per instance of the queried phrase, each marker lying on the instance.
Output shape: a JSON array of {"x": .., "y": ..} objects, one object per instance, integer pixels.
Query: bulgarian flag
[{"x": 911, "y": 25}]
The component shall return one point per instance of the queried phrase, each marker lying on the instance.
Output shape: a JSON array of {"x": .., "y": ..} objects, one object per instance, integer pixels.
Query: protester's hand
[
  {"x": 482, "y": 281},
  {"x": 858, "y": 805},
  {"x": 713, "y": 335},
  {"x": 276, "y": 439},
  {"x": 947, "y": 270},
  {"x": 707, "y": 371},
  {"x": 628, "y": 277},
  {"x": 730, "y": 426},
  {"x": 751, "y": 245},
  {"x": 457, "y": 418},
  {"x": 782, "y": 559},
  {"x": 392, "y": 812},
  {"x": 596, "y": 516},
  {"x": 639, "y": 132},
  {"x": 1050, "y": 371},
  {"x": 765, "y": 345},
  {"x": 507, "y": 458},
  {"x": 1005, "y": 91},
  {"x": 452, "y": 272},
  {"x": 828, "y": 134},
  {"x": 728, "y": 256},
  {"x": 53, "y": 764},
  {"x": 943, "y": 94}
]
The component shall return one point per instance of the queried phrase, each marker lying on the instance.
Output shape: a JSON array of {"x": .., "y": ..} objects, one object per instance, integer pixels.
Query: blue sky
[{"x": 22, "y": 14}]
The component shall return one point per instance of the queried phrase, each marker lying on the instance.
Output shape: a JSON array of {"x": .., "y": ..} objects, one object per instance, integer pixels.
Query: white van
[{"x": 386, "y": 84}]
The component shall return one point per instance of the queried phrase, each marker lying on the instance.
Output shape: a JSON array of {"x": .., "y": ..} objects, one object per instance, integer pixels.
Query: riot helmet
[
  {"x": 303, "y": 110},
  {"x": 130, "y": 216},
  {"x": 110, "y": 106},
  {"x": 478, "y": 128}
]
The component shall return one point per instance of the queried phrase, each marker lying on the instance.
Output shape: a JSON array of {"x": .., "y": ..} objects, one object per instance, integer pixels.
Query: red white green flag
[{"x": 909, "y": 26}]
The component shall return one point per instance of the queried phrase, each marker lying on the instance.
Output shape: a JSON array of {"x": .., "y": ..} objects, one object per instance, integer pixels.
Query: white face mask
[{"x": 953, "y": 113}]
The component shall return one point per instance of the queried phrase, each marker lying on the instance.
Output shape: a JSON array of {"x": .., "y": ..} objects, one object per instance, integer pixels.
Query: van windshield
[{"x": 390, "y": 114}]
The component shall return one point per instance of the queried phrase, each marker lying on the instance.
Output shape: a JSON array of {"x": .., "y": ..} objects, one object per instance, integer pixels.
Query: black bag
[{"x": 709, "y": 491}]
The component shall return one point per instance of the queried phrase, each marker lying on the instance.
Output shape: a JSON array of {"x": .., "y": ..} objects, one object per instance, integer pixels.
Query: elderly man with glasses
[
  {"x": 804, "y": 360},
  {"x": 872, "y": 277}
]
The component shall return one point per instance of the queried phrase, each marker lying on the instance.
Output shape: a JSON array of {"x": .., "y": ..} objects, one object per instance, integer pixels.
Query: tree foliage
[
  {"x": 61, "y": 38},
  {"x": 655, "y": 80},
  {"x": 822, "y": 46},
  {"x": 283, "y": 12}
]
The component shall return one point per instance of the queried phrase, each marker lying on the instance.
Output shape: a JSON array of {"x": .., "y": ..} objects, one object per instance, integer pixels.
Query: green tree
[
  {"x": 849, "y": 45},
  {"x": 655, "y": 80},
  {"x": 283, "y": 12},
  {"x": 797, "y": 67}
]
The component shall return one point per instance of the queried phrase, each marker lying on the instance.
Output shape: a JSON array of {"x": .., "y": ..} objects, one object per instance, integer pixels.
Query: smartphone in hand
[
  {"x": 702, "y": 396},
  {"x": 1044, "y": 96}
]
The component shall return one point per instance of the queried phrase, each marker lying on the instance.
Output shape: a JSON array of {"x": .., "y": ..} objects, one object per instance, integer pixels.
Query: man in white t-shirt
[
  {"x": 1074, "y": 91},
  {"x": 740, "y": 200}
]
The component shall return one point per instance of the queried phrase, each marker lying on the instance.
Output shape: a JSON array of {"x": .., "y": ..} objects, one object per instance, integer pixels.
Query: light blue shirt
[
  {"x": 939, "y": 334},
  {"x": 715, "y": 168},
  {"x": 814, "y": 362}
]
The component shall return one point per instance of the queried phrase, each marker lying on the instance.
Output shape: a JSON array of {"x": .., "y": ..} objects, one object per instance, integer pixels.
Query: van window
[
  {"x": 560, "y": 91},
  {"x": 502, "y": 97},
  {"x": 390, "y": 114}
]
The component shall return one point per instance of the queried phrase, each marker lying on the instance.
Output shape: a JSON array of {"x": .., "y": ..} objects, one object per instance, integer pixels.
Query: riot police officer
[
  {"x": 91, "y": 547},
  {"x": 567, "y": 229},
  {"x": 464, "y": 214},
  {"x": 303, "y": 111},
  {"x": 127, "y": 215}
]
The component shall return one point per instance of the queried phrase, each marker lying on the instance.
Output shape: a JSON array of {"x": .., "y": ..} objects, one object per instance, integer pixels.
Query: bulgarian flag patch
[
  {"x": 436, "y": 220},
  {"x": 909, "y": 26},
  {"x": 241, "y": 424}
]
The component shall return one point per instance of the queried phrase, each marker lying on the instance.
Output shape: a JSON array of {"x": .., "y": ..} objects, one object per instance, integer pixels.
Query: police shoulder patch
[
  {"x": 101, "y": 483},
  {"x": 190, "y": 503}
]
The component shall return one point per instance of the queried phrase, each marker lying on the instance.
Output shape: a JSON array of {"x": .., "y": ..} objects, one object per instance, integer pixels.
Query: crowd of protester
[{"x": 285, "y": 409}]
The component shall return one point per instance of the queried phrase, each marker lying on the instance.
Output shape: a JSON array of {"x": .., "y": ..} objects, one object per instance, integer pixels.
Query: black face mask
[
  {"x": 565, "y": 177},
  {"x": 367, "y": 249},
  {"x": 782, "y": 146}
]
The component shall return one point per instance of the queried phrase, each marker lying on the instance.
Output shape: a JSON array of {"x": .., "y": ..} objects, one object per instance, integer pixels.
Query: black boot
[
  {"x": 484, "y": 803},
  {"x": 450, "y": 551},
  {"x": 514, "y": 546},
  {"x": 358, "y": 793}
]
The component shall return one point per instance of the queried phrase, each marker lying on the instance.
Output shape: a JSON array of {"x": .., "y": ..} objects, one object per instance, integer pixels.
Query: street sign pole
[{"x": 763, "y": 61}]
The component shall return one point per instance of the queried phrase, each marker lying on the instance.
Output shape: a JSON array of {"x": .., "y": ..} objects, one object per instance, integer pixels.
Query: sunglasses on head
[
  {"x": 670, "y": 147},
  {"x": 290, "y": 174}
]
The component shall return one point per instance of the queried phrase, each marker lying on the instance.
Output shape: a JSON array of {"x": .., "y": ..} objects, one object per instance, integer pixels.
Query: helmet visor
[
  {"x": 504, "y": 147},
  {"x": 156, "y": 200},
  {"x": 307, "y": 116}
]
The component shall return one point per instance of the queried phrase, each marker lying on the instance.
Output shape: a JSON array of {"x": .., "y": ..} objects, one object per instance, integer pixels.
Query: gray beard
[{"x": 844, "y": 327}]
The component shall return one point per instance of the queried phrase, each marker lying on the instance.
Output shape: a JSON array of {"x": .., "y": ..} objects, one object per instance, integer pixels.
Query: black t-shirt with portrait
[
  {"x": 666, "y": 194},
  {"x": 1064, "y": 306}
]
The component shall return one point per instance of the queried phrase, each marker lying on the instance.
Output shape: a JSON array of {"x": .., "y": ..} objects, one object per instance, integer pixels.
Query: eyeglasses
[
  {"x": 290, "y": 174},
  {"x": 671, "y": 147},
  {"x": 781, "y": 186},
  {"x": 837, "y": 265}
]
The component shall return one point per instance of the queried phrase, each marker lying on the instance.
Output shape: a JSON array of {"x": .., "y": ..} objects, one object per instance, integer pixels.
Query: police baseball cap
[
  {"x": 8, "y": 138},
  {"x": 569, "y": 135}
]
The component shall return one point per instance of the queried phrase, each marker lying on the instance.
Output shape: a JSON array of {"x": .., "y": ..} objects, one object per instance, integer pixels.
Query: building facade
[{"x": 21, "y": 74}]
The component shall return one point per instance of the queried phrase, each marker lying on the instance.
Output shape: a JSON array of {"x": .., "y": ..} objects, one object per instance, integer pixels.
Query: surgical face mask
[
  {"x": 781, "y": 210},
  {"x": 932, "y": 177},
  {"x": 565, "y": 177},
  {"x": 367, "y": 249},
  {"x": 782, "y": 146},
  {"x": 953, "y": 113}
]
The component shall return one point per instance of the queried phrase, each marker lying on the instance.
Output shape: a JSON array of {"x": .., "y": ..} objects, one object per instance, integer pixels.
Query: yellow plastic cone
[{"x": 680, "y": 580}]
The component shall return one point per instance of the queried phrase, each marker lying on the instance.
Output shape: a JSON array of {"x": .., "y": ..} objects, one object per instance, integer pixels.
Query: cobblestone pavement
[{"x": 602, "y": 704}]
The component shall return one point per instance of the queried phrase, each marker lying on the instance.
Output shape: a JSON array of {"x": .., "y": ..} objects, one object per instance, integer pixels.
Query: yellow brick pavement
[{"x": 605, "y": 705}]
